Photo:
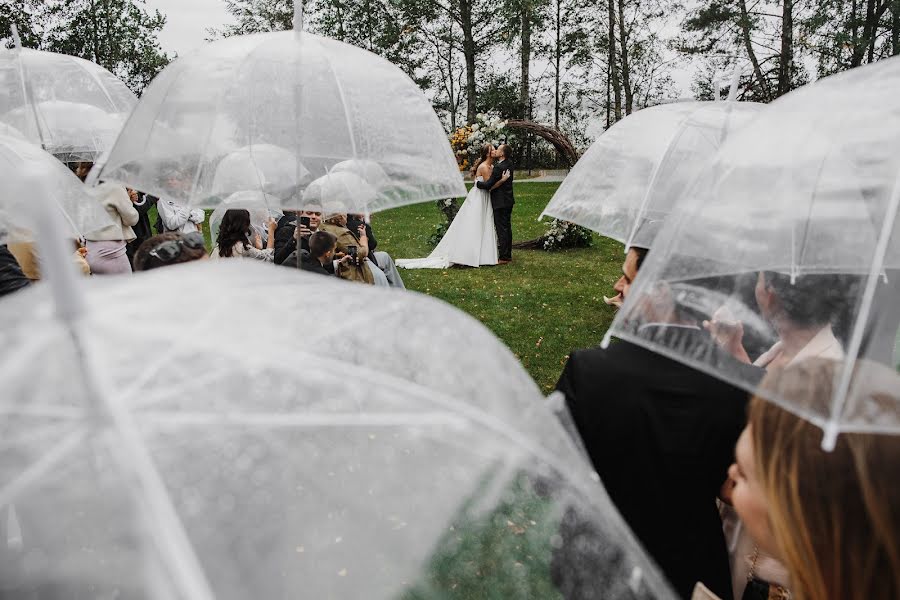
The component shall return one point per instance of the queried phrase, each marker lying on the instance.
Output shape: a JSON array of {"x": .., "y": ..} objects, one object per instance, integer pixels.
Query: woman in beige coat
[{"x": 106, "y": 247}]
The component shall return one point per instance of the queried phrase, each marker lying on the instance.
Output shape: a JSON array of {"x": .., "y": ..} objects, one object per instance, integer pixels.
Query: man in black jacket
[
  {"x": 142, "y": 231},
  {"x": 661, "y": 436},
  {"x": 501, "y": 186}
]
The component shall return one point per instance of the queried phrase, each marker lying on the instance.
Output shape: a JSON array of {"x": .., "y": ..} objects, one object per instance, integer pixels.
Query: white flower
[
  {"x": 475, "y": 127},
  {"x": 494, "y": 143}
]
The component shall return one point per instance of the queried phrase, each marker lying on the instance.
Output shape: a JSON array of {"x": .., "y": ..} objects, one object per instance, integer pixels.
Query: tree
[
  {"x": 443, "y": 61},
  {"x": 842, "y": 34},
  {"x": 389, "y": 28},
  {"x": 119, "y": 35},
  {"x": 763, "y": 33},
  {"x": 257, "y": 16},
  {"x": 28, "y": 18}
]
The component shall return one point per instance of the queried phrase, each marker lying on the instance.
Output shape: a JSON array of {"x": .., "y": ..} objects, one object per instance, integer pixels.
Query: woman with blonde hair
[{"x": 832, "y": 518}]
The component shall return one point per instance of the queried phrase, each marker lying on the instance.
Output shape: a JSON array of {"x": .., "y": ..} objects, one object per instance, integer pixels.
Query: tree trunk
[
  {"x": 869, "y": 30},
  {"x": 751, "y": 54},
  {"x": 451, "y": 101},
  {"x": 895, "y": 28},
  {"x": 787, "y": 43},
  {"x": 557, "y": 59},
  {"x": 613, "y": 62},
  {"x": 465, "y": 13},
  {"x": 608, "y": 98},
  {"x": 626, "y": 75},
  {"x": 525, "y": 63}
]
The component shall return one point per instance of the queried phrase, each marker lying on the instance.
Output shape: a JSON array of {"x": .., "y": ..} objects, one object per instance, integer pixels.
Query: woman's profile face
[{"x": 748, "y": 497}]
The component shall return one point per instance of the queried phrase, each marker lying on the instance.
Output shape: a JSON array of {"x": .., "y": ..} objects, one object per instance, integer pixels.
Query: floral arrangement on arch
[{"x": 467, "y": 141}]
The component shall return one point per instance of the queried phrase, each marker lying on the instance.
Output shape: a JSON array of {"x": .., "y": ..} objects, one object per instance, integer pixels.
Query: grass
[{"x": 542, "y": 305}]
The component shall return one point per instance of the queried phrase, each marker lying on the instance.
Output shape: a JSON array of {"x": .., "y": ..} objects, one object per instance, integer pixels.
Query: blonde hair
[{"x": 834, "y": 516}]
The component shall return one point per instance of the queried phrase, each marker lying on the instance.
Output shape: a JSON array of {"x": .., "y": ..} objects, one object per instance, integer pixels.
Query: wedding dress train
[{"x": 471, "y": 239}]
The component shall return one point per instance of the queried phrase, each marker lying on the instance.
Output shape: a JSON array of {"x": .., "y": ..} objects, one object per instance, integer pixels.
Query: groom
[{"x": 501, "y": 186}]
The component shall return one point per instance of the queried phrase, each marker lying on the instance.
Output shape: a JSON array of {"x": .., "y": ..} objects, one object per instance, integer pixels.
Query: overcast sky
[{"x": 188, "y": 21}]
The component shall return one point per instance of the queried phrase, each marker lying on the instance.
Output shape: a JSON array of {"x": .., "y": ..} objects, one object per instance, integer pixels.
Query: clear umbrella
[
  {"x": 71, "y": 107},
  {"x": 789, "y": 245},
  {"x": 393, "y": 448},
  {"x": 630, "y": 178},
  {"x": 257, "y": 203},
  {"x": 324, "y": 101},
  {"x": 339, "y": 193},
  {"x": 29, "y": 175},
  {"x": 258, "y": 167}
]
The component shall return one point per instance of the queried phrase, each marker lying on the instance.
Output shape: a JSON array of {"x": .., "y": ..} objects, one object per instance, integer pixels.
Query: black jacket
[
  {"x": 308, "y": 263},
  {"x": 661, "y": 436},
  {"x": 502, "y": 197},
  {"x": 12, "y": 278},
  {"x": 142, "y": 229}
]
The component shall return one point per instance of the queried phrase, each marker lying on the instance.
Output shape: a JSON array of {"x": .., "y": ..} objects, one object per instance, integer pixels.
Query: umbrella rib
[
  {"x": 307, "y": 420},
  {"x": 839, "y": 397},
  {"x": 653, "y": 177},
  {"x": 37, "y": 470},
  {"x": 340, "y": 89}
]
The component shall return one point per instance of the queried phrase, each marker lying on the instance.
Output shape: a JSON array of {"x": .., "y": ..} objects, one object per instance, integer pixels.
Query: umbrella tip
[
  {"x": 830, "y": 439},
  {"x": 17, "y": 41},
  {"x": 606, "y": 339}
]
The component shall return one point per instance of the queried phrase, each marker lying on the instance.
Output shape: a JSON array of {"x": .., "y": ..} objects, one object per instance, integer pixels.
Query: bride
[{"x": 471, "y": 239}]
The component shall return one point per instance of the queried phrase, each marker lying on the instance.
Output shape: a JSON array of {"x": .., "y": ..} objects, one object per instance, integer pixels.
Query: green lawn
[{"x": 542, "y": 305}]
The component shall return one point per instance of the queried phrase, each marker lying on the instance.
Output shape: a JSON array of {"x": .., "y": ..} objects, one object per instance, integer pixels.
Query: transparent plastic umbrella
[
  {"x": 339, "y": 193},
  {"x": 69, "y": 106},
  {"x": 324, "y": 101},
  {"x": 257, "y": 203},
  {"x": 628, "y": 181},
  {"x": 31, "y": 175},
  {"x": 259, "y": 167},
  {"x": 789, "y": 244},
  {"x": 365, "y": 444}
]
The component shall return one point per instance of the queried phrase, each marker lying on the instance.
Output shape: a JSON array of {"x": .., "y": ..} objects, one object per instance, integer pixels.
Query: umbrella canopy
[
  {"x": 31, "y": 175},
  {"x": 323, "y": 101},
  {"x": 259, "y": 167},
  {"x": 628, "y": 181},
  {"x": 341, "y": 192},
  {"x": 255, "y": 202},
  {"x": 370, "y": 444},
  {"x": 789, "y": 243},
  {"x": 71, "y": 107}
]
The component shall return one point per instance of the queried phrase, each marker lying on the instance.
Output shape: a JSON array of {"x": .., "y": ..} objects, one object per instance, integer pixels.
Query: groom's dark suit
[{"x": 502, "y": 202}]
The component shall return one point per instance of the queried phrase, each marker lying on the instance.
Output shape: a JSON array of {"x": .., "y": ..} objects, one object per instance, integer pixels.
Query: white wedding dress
[{"x": 471, "y": 239}]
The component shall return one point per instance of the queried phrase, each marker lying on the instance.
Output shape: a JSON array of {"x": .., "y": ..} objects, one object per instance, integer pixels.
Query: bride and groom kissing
[{"x": 481, "y": 232}]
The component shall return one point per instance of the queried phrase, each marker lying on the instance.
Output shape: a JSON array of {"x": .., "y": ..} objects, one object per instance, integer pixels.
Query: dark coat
[
  {"x": 12, "y": 278},
  {"x": 308, "y": 263},
  {"x": 661, "y": 436},
  {"x": 502, "y": 197},
  {"x": 142, "y": 229}
]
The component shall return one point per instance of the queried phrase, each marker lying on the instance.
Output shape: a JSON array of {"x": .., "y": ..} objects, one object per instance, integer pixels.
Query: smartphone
[
  {"x": 304, "y": 221},
  {"x": 352, "y": 251}
]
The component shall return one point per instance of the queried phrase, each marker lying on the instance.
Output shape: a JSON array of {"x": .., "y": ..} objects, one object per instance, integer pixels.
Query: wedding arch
[{"x": 554, "y": 136}]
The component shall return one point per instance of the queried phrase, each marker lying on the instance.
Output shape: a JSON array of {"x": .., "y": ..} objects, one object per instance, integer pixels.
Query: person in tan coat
[
  {"x": 107, "y": 246},
  {"x": 337, "y": 226}
]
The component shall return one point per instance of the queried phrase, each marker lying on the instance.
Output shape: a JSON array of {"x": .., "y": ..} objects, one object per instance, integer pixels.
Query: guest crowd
[{"x": 732, "y": 496}]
